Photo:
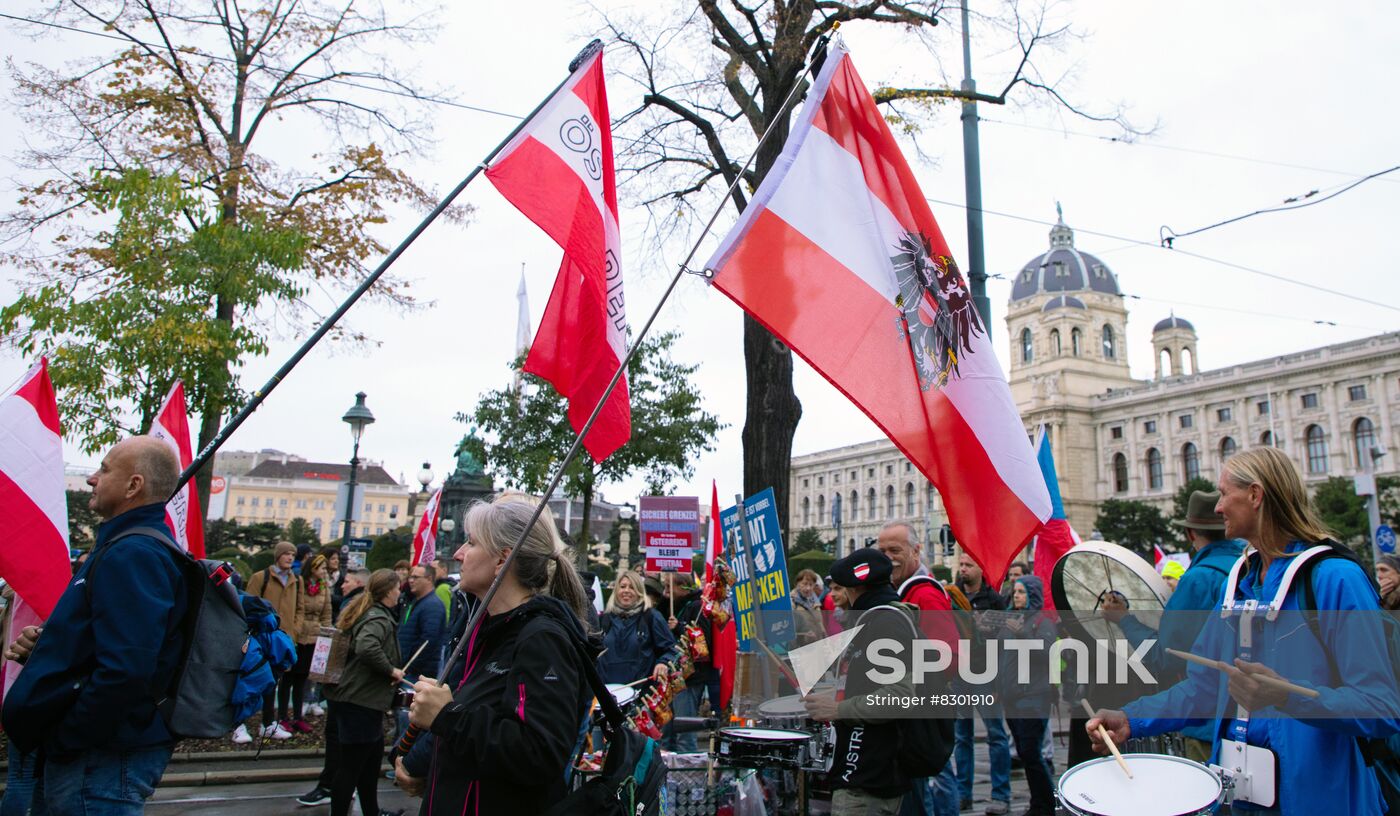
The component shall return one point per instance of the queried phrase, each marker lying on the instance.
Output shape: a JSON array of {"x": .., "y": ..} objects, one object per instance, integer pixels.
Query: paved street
[{"x": 258, "y": 799}]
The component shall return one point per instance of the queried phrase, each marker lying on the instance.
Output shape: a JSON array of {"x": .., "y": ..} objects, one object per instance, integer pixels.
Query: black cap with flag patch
[{"x": 864, "y": 567}]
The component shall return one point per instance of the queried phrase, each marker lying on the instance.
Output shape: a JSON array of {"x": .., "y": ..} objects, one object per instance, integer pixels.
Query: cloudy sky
[{"x": 1255, "y": 105}]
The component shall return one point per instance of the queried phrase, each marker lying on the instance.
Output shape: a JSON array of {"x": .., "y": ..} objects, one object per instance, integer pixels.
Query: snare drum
[
  {"x": 763, "y": 748},
  {"x": 622, "y": 695},
  {"x": 1161, "y": 786},
  {"x": 785, "y": 712}
]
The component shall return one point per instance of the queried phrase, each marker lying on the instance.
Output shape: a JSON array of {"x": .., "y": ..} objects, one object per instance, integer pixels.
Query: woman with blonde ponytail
[
  {"x": 506, "y": 723},
  {"x": 1340, "y": 653}
]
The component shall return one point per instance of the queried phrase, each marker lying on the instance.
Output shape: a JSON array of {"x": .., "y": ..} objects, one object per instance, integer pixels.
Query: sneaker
[
  {"x": 996, "y": 807},
  {"x": 318, "y": 709},
  {"x": 241, "y": 735},
  {"x": 300, "y": 726},
  {"x": 317, "y": 796},
  {"x": 277, "y": 732}
]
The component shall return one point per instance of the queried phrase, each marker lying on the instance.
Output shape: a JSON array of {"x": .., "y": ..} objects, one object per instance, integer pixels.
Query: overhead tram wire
[
  {"x": 155, "y": 46},
  {"x": 1153, "y": 245},
  {"x": 1175, "y": 148}
]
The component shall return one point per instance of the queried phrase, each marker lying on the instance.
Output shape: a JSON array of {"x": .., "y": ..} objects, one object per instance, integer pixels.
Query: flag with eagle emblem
[{"x": 838, "y": 255}]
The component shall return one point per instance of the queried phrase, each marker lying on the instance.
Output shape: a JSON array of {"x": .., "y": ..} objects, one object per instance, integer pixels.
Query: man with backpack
[
  {"x": 87, "y": 699},
  {"x": 866, "y": 776},
  {"x": 1197, "y": 591},
  {"x": 898, "y": 541}
]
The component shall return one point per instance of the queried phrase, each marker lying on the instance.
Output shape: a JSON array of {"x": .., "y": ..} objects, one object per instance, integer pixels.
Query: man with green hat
[{"x": 1198, "y": 590}]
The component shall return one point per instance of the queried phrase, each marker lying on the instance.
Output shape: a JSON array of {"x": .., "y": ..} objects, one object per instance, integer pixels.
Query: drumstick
[
  {"x": 1103, "y": 732},
  {"x": 782, "y": 667},
  {"x": 1276, "y": 682},
  {"x": 409, "y": 662}
]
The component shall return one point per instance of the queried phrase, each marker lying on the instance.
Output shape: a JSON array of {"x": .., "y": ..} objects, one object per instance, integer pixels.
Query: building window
[
  {"x": 908, "y": 467},
  {"x": 1363, "y": 434},
  {"x": 1120, "y": 473},
  {"x": 1317, "y": 449},
  {"x": 1026, "y": 275},
  {"x": 889, "y": 470},
  {"x": 821, "y": 480},
  {"x": 320, "y": 504},
  {"x": 240, "y": 501},
  {"x": 281, "y": 502},
  {"x": 369, "y": 508},
  {"x": 1186, "y": 420},
  {"x": 1190, "y": 461},
  {"x": 1267, "y": 439},
  {"x": 316, "y": 525},
  {"x": 836, "y": 478},
  {"x": 1227, "y": 448},
  {"x": 870, "y": 473},
  {"x": 1150, "y": 426},
  {"x": 1076, "y": 342},
  {"x": 804, "y": 483},
  {"x": 1110, "y": 346},
  {"x": 889, "y": 502},
  {"x": 1098, "y": 270},
  {"x": 806, "y": 512},
  {"x": 1061, "y": 271},
  {"x": 1055, "y": 342},
  {"x": 381, "y": 508},
  {"x": 1356, "y": 393},
  {"x": 1027, "y": 350},
  {"x": 379, "y": 531},
  {"x": 853, "y": 475},
  {"x": 870, "y": 509},
  {"x": 821, "y": 510},
  {"x": 908, "y": 498},
  {"x": 1116, "y": 432},
  {"x": 855, "y": 505},
  {"x": 1263, "y": 406},
  {"x": 257, "y": 501},
  {"x": 1154, "y": 469},
  {"x": 1223, "y": 414},
  {"x": 1309, "y": 401}
]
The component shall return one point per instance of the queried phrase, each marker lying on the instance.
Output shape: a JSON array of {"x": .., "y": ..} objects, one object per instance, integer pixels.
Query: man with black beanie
[{"x": 865, "y": 775}]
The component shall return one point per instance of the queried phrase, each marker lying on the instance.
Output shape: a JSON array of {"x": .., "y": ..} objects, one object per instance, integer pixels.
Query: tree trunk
[
  {"x": 773, "y": 409},
  {"x": 211, "y": 412},
  {"x": 581, "y": 545}
]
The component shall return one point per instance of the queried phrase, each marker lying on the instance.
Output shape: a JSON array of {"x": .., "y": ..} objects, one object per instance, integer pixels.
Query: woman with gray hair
[{"x": 507, "y": 721}]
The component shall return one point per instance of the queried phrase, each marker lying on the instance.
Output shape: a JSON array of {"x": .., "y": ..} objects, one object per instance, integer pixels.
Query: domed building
[{"x": 1330, "y": 408}]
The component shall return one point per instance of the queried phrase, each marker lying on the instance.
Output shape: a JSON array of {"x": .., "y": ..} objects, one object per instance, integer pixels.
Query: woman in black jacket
[
  {"x": 1027, "y": 704},
  {"x": 507, "y": 724},
  {"x": 636, "y": 641}
]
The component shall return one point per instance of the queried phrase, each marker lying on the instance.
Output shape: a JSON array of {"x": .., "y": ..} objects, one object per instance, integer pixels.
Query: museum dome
[
  {"x": 1172, "y": 322},
  {"x": 1063, "y": 269}
]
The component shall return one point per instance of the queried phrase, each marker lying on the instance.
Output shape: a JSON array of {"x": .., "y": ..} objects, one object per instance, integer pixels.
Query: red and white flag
[
  {"x": 182, "y": 512},
  {"x": 34, "y": 547},
  {"x": 839, "y": 256},
  {"x": 558, "y": 171},
  {"x": 425, "y": 540},
  {"x": 724, "y": 640},
  {"x": 1158, "y": 556}
]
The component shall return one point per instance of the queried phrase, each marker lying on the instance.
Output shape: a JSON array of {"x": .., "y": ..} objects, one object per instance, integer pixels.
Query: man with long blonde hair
[{"x": 1313, "y": 739}]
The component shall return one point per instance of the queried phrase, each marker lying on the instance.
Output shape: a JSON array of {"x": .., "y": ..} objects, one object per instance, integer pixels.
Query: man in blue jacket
[
  {"x": 1197, "y": 591},
  {"x": 87, "y": 696},
  {"x": 423, "y": 622}
]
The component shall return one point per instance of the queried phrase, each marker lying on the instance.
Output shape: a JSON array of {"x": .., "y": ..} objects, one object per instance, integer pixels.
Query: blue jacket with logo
[
  {"x": 1320, "y": 766},
  {"x": 108, "y": 651},
  {"x": 1198, "y": 590}
]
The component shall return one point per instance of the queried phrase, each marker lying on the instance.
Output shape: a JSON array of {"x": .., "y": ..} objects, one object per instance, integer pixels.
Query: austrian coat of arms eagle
[{"x": 937, "y": 316}]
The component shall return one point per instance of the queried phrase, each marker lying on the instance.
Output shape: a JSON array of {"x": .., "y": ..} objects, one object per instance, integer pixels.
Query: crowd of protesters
[{"x": 500, "y": 732}]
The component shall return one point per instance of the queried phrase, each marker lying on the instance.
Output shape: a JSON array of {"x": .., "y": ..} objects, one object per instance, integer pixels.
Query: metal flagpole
[
  {"x": 261, "y": 394},
  {"x": 410, "y": 736}
]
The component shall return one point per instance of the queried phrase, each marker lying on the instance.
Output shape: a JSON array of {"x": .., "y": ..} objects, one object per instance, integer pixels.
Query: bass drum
[{"x": 1084, "y": 574}]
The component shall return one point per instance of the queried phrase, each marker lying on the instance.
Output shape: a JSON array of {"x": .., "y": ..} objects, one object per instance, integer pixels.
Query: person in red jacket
[{"x": 900, "y": 543}]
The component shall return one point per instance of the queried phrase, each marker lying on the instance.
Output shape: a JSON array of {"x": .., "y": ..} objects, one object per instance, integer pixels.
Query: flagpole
[
  {"x": 410, "y": 736},
  {"x": 261, "y": 394}
]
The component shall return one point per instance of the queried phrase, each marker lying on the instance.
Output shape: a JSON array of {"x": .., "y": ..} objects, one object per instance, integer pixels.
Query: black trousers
[{"x": 355, "y": 767}]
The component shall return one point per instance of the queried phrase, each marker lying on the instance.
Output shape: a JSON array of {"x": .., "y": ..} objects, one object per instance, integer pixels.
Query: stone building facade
[{"x": 1113, "y": 436}]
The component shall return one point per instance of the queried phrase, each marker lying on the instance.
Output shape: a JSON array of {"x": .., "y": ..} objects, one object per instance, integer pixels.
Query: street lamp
[
  {"x": 357, "y": 418},
  {"x": 624, "y": 537},
  {"x": 425, "y": 478}
]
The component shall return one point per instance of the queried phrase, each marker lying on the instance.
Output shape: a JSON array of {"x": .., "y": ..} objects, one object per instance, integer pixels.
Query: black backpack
[
  {"x": 199, "y": 701},
  {"x": 633, "y": 778},
  {"x": 925, "y": 743}
]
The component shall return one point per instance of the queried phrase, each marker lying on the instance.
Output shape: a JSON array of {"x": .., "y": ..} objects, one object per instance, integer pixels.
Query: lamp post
[
  {"x": 357, "y": 418},
  {"x": 425, "y": 478},
  {"x": 625, "y": 514},
  {"x": 446, "y": 526}
]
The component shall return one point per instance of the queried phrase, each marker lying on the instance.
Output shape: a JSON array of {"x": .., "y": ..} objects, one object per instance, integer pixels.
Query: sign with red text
[{"x": 668, "y": 552}]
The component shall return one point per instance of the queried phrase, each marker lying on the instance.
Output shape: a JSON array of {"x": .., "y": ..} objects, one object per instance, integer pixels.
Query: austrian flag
[
  {"x": 558, "y": 171},
  {"x": 839, "y": 256},
  {"x": 172, "y": 426}
]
